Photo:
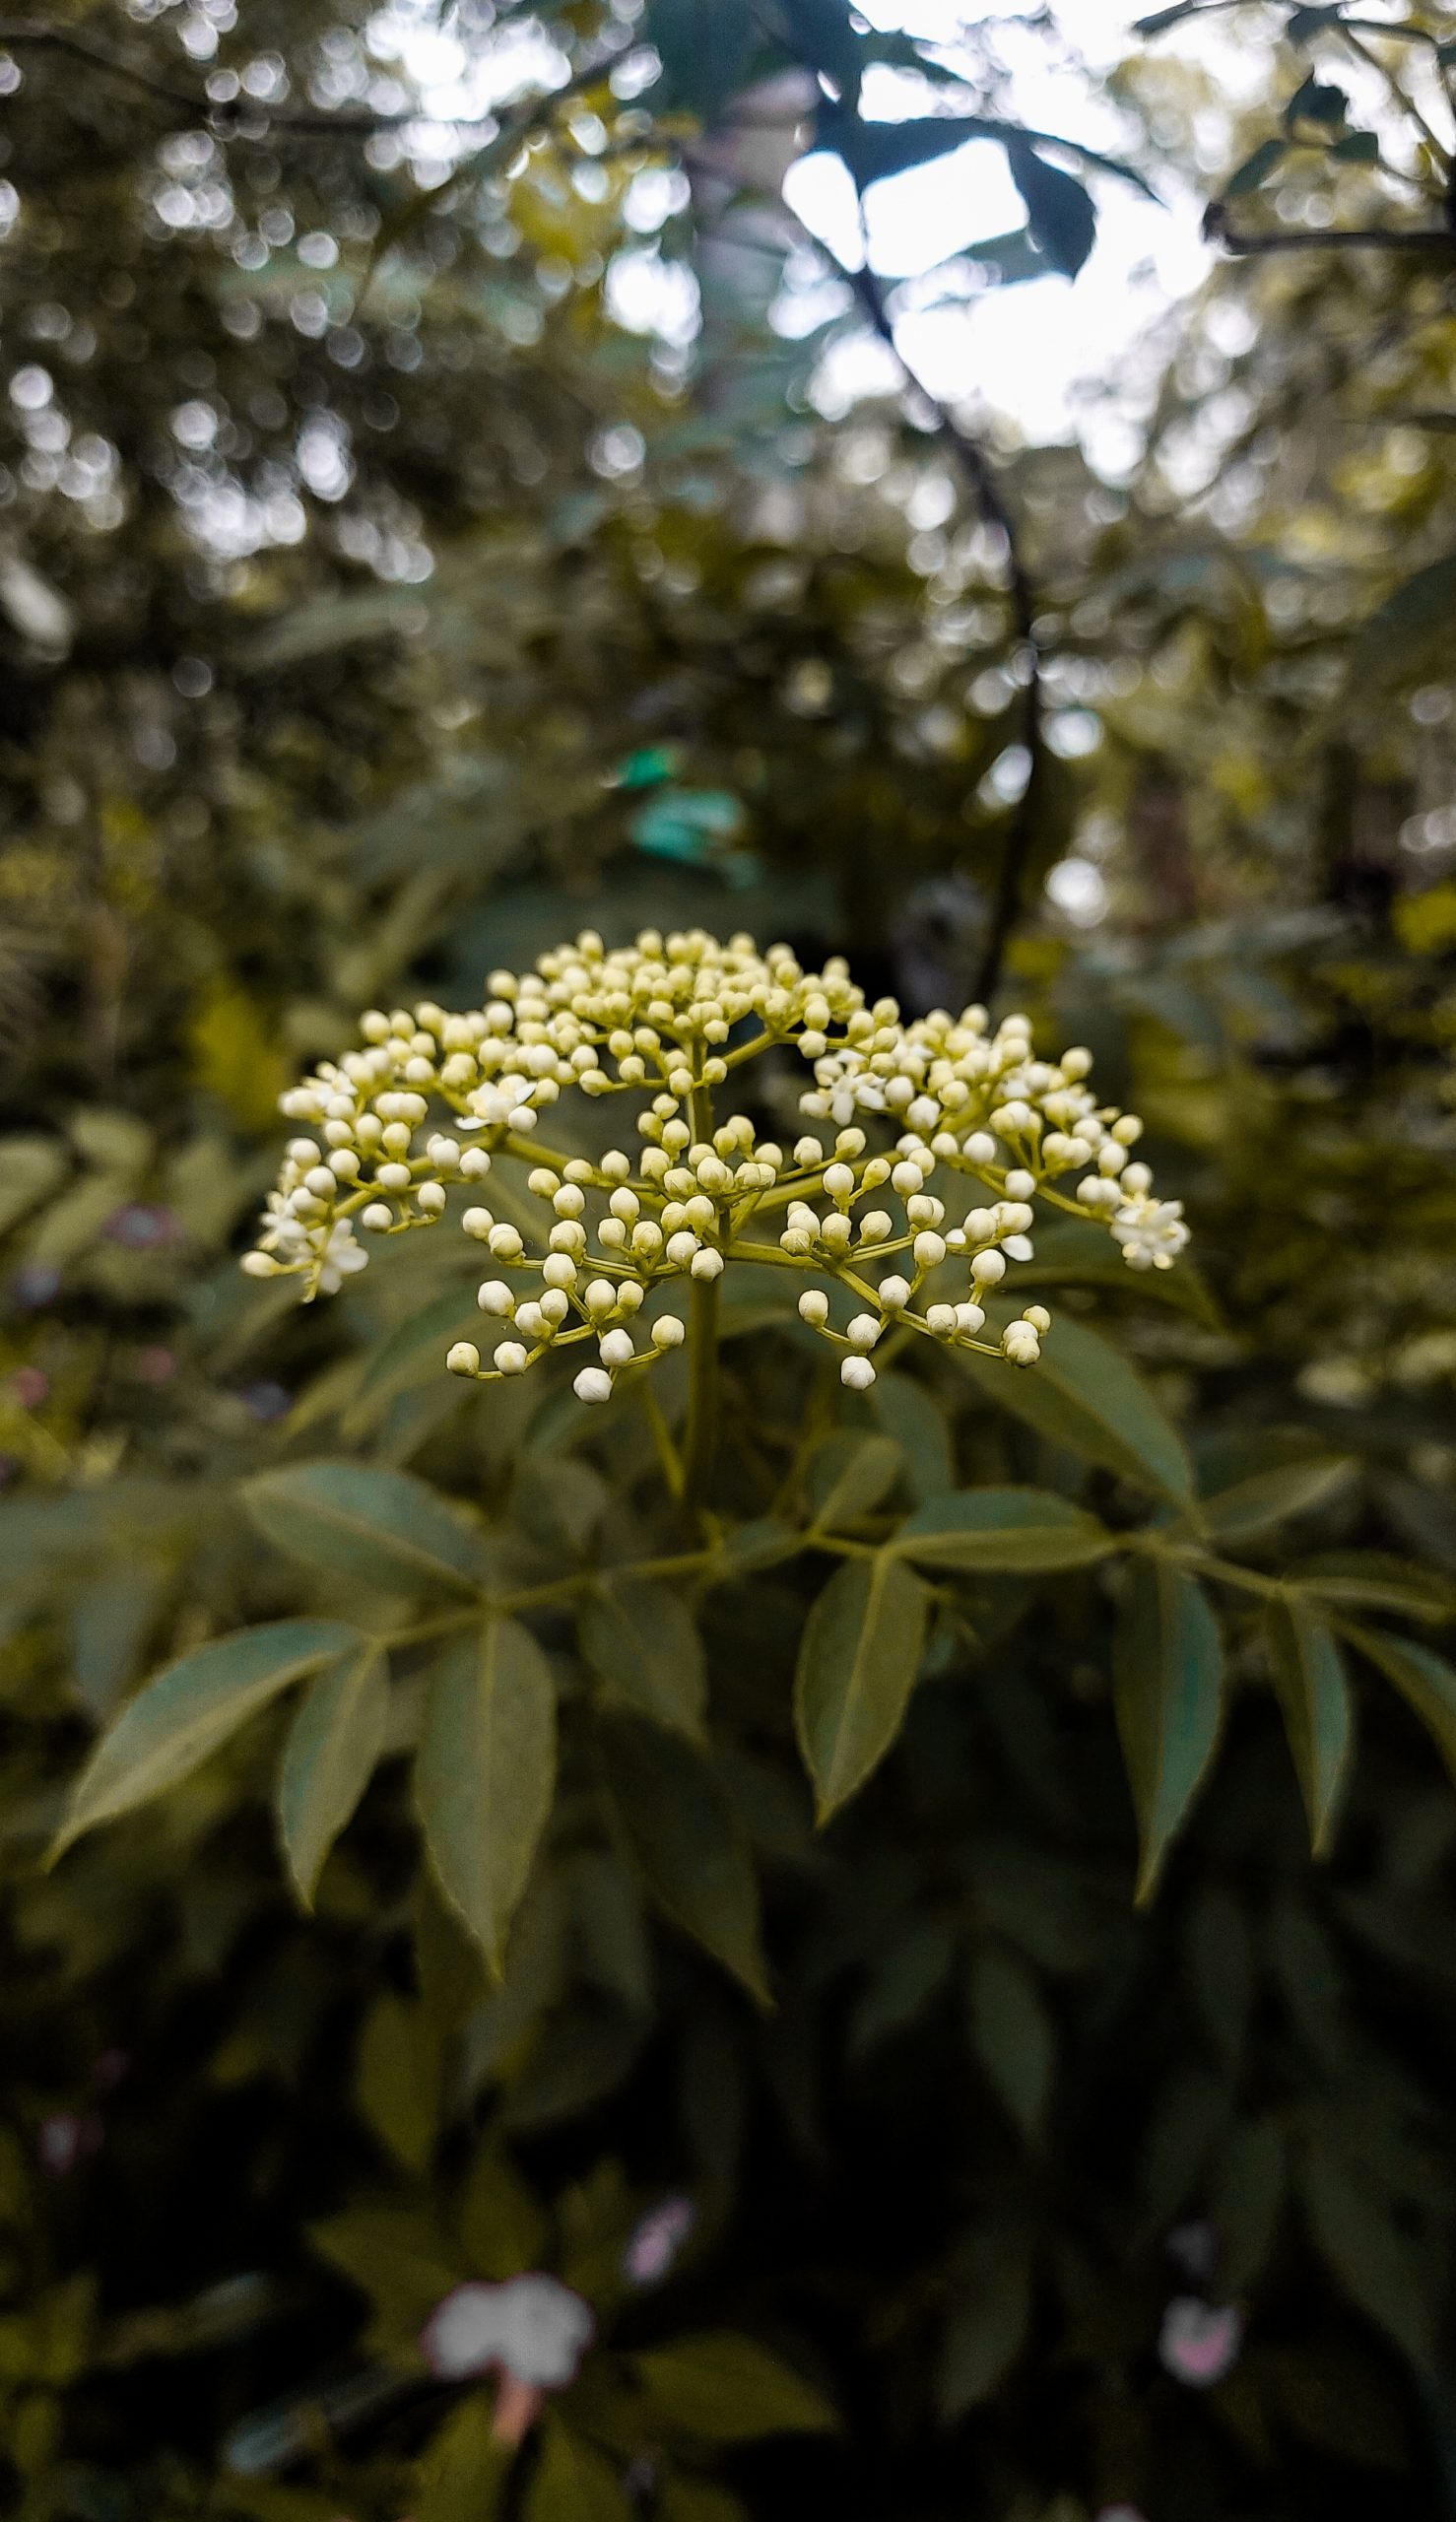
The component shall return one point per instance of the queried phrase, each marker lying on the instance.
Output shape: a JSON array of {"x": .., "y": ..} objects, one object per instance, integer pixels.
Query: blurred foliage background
[{"x": 379, "y": 604}]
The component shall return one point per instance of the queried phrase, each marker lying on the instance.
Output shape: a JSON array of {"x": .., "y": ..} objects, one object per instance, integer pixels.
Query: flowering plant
[{"x": 673, "y": 1021}]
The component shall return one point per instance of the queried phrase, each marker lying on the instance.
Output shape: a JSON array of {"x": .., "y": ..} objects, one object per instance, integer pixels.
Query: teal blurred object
[{"x": 696, "y": 827}]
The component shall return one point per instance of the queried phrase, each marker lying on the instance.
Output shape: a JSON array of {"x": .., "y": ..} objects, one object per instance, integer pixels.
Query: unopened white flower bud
[
  {"x": 838, "y": 1181},
  {"x": 929, "y": 1251},
  {"x": 506, "y": 1243},
  {"x": 559, "y": 1270},
  {"x": 857, "y": 1374},
  {"x": 876, "y": 1226},
  {"x": 941, "y": 1320},
  {"x": 555, "y": 1307},
  {"x": 1019, "y": 1185},
  {"x": 464, "y": 1358},
  {"x": 429, "y": 1199},
  {"x": 707, "y": 1264},
  {"x": 863, "y": 1331},
  {"x": 496, "y": 1298},
  {"x": 600, "y": 1297},
  {"x": 1039, "y": 1318},
  {"x": 259, "y": 1265},
  {"x": 442, "y": 1150},
  {"x": 475, "y": 1164},
  {"x": 814, "y": 1308},
  {"x": 1020, "y": 1343},
  {"x": 593, "y": 1385},
  {"x": 393, "y": 1178},
  {"x": 894, "y": 1293},
  {"x": 616, "y": 1348},
  {"x": 969, "y": 1319},
  {"x": 377, "y": 1218},
  {"x": 669, "y": 1331},
  {"x": 511, "y": 1358},
  {"x": 987, "y": 1268}
]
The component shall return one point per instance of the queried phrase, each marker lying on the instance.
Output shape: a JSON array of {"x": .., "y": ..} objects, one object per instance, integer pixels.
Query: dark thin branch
[
  {"x": 1297, "y": 240},
  {"x": 989, "y": 499},
  {"x": 33, "y": 32}
]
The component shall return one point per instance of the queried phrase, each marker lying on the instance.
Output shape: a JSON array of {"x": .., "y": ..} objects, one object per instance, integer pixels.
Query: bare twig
[
  {"x": 35, "y": 33},
  {"x": 1296, "y": 240}
]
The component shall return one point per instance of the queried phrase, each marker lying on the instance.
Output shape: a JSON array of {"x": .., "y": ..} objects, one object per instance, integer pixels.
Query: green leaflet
[
  {"x": 1314, "y": 1694},
  {"x": 849, "y": 1475},
  {"x": 1267, "y": 1496},
  {"x": 1169, "y": 1701},
  {"x": 185, "y": 1712},
  {"x": 1426, "y": 1682},
  {"x": 334, "y": 1742},
  {"x": 384, "y": 1529},
  {"x": 1372, "y": 1577},
  {"x": 1013, "y": 2034},
  {"x": 988, "y": 2328},
  {"x": 720, "y": 2388},
  {"x": 485, "y": 1774},
  {"x": 1020, "y": 1531},
  {"x": 574, "y": 2482},
  {"x": 1083, "y": 1393},
  {"x": 688, "y": 1842},
  {"x": 858, "y": 1664},
  {"x": 464, "y": 2473},
  {"x": 644, "y": 1641}
]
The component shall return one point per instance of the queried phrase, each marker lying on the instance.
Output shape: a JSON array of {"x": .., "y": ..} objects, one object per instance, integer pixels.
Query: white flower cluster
[{"x": 669, "y": 1020}]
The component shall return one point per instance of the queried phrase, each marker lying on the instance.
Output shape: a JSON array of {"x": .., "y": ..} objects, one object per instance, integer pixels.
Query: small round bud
[
  {"x": 344, "y": 1164},
  {"x": 322, "y": 1182},
  {"x": 1019, "y": 1185},
  {"x": 863, "y": 1331},
  {"x": 814, "y": 1308},
  {"x": 442, "y": 1150},
  {"x": 259, "y": 1265},
  {"x": 506, "y": 1243},
  {"x": 681, "y": 1249},
  {"x": 1136, "y": 1179},
  {"x": 511, "y": 1358},
  {"x": 980, "y": 1148},
  {"x": 554, "y": 1307},
  {"x": 376, "y": 1217},
  {"x": 1039, "y": 1318},
  {"x": 617, "y": 1348},
  {"x": 969, "y": 1319},
  {"x": 464, "y": 1358},
  {"x": 669, "y": 1331},
  {"x": 941, "y": 1320},
  {"x": 705, "y": 1265},
  {"x": 303, "y": 1151},
  {"x": 569, "y": 1201},
  {"x": 808, "y": 1152},
  {"x": 593, "y": 1385},
  {"x": 1020, "y": 1343},
  {"x": 496, "y": 1298},
  {"x": 559, "y": 1270},
  {"x": 929, "y": 1251},
  {"x": 1128, "y": 1130},
  {"x": 840, "y": 1183},
  {"x": 478, "y": 1222},
  {"x": 857, "y": 1374},
  {"x": 429, "y": 1199},
  {"x": 393, "y": 1178},
  {"x": 530, "y": 1320},
  {"x": 876, "y": 1226},
  {"x": 475, "y": 1164},
  {"x": 895, "y": 1294},
  {"x": 987, "y": 1268}
]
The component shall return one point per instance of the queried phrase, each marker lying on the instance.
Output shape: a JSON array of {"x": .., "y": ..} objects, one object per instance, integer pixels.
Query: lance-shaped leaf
[
  {"x": 333, "y": 1745},
  {"x": 1267, "y": 1496},
  {"x": 1169, "y": 1701},
  {"x": 1426, "y": 1682},
  {"x": 848, "y": 1477},
  {"x": 1081, "y": 1393},
  {"x": 486, "y": 1773},
  {"x": 381, "y": 1528},
  {"x": 644, "y": 1641},
  {"x": 185, "y": 1712},
  {"x": 688, "y": 1842},
  {"x": 721, "y": 2388},
  {"x": 1024, "y": 1531},
  {"x": 1315, "y": 1695},
  {"x": 860, "y": 1653},
  {"x": 1371, "y": 1579}
]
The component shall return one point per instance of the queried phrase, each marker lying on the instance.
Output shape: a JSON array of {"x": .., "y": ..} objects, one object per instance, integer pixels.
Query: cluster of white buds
[{"x": 669, "y": 1020}]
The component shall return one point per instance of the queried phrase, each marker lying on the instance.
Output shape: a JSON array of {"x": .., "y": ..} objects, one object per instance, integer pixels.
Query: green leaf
[
  {"x": 463, "y": 2474},
  {"x": 1408, "y": 631},
  {"x": 185, "y": 1712},
  {"x": 1360, "y": 2240},
  {"x": 1059, "y": 210},
  {"x": 1016, "y": 1531},
  {"x": 1371, "y": 1578},
  {"x": 1426, "y": 1682},
  {"x": 1314, "y": 1694},
  {"x": 688, "y": 1842},
  {"x": 384, "y": 1529},
  {"x": 1267, "y": 1496},
  {"x": 1083, "y": 1394},
  {"x": 641, "y": 1638},
  {"x": 574, "y": 2482},
  {"x": 1013, "y": 2035},
  {"x": 334, "y": 1742},
  {"x": 485, "y": 1774},
  {"x": 415, "y": 1351},
  {"x": 860, "y": 1653},
  {"x": 398, "y": 2079},
  {"x": 720, "y": 2388},
  {"x": 398, "y": 2259},
  {"x": 906, "y": 1411},
  {"x": 706, "y": 48},
  {"x": 764, "y": 1543},
  {"x": 849, "y": 1475},
  {"x": 1170, "y": 1702},
  {"x": 1261, "y": 163},
  {"x": 987, "y": 2330}
]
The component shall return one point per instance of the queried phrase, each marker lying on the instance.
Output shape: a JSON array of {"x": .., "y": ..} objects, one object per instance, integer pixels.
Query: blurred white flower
[{"x": 535, "y": 2327}]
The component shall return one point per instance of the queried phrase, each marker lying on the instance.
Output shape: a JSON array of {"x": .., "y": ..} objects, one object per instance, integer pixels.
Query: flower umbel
[{"x": 668, "y": 1020}]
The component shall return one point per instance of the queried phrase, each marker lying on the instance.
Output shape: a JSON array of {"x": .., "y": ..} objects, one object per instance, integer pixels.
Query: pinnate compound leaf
[
  {"x": 720, "y": 2388},
  {"x": 1427, "y": 1683},
  {"x": 485, "y": 1774},
  {"x": 182, "y": 1715},
  {"x": 1083, "y": 1394},
  {"x": 641, "y": 1638},
  {"x": 1315, "y": 1695},
  {"x": 334, "y": 1742},
  {"x": 1170, "y": 1702},
  {"x": 858, "y": 1659},
  {"x": 381, "y": 1528},
  {"x": 1266, "y": 1497},
  {"x": 688, "y": 1842},
  {"x": 1026, "y": 1532},
  {"x": 1370, "y": 1578}
]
